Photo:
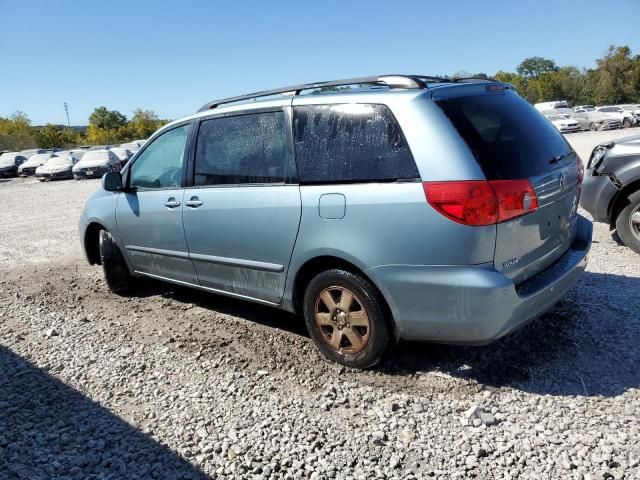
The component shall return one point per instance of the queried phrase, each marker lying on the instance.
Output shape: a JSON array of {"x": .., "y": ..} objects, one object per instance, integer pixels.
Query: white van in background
[{"x": 551, "y": 105}]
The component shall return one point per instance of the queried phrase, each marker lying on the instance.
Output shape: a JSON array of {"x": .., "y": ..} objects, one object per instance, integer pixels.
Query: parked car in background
[
  {"x": 133, "y": 147},
  {"x": 122, "y": 154},
  {"x": 9, "y": 163},
  {"x": 611, "y": 190},
  {"x": 563, "y": 124},
  {"x": 584, "y": 108},
  {"x": 594, "y": 120},
  {"x": 78, "y": 152},
  {"x": 339, "y": 207},
  {"x": 96, "y": 163},
  {"x": 551, "y": 105},
  {"x": 633, "y": 110},
  {"x": 57, "y": 168},
  {"x": 33, "y": 162},
  {"x": 98, "y": 147},
  {"x": 627, "y": 119},
  {"x": 30, "y": 152}
]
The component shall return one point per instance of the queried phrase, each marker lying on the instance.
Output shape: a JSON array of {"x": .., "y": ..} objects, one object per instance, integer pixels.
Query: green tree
[
  {"x": 54, "y": 136},
  {"x": 618, "y": 77},
  {"x": 16, "y": 132},
  {"x": 144, "y": 123},
  {"x": 107, "y": 119},
  {"x": 514, "y": 79},
  {"x": 533, "y": 67}
]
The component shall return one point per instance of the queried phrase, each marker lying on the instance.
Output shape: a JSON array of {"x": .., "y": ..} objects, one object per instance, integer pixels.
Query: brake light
[
  {"x": 580, "y": 170},
  {"x": 482, "y": 202}
]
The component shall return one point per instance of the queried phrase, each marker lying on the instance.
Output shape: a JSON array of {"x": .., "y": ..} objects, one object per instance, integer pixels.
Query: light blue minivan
[{"x": 379, "y": 208}]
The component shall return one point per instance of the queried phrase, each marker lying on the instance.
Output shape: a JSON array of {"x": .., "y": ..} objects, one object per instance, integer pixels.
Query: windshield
[
  {"x": 95, "y": 156},
  {"x": 556, "y": 117},
  {"x": 60, "y": 161},
  {"x": 40, "y": 158},
  {"x": 8, "y": 157},
  {"x": 508, "y": 137}
]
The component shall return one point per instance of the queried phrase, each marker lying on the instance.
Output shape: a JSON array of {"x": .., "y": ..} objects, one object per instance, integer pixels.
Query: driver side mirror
[{"x": 112, "y": 182}]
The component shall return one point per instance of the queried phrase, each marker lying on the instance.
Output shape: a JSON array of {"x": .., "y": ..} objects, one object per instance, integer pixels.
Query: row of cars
[
  {"x": 80, "y": 162},
  {"x": 589, "y": 117}
]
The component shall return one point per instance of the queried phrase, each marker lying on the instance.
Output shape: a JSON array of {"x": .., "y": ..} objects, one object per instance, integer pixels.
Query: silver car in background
[
  {"x": 407, "y": 207},
  {"x": 123, "y": 154},
  {"x": 95, "y": 163},
  {"x": 563, "y": 124},
  {"x": 57, "y": 168},
  {"x": 596, "y": 121},
  {"x": 33, "y": 162}
]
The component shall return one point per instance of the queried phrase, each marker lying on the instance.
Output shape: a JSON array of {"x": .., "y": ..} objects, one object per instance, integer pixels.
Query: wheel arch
[
  {"x": 620, "y": 201},
  {"x": 92, "y": 242},
  {"x": 322, "y": 263}
]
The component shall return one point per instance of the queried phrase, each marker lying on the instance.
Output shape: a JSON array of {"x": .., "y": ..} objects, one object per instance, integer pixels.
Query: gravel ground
[{"x": 175, "y": 383}]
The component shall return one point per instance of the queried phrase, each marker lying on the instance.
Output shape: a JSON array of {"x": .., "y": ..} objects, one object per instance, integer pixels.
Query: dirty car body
[{"x": 380, "y": 182}]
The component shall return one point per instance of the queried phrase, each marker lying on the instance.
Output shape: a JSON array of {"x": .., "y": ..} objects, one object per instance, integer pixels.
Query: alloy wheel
[
  {"x": 342, "y": 320},
  {"x": 634, "y": 222}
]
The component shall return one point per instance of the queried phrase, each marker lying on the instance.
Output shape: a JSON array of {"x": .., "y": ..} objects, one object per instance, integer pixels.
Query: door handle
[
  {"x": 172, "y": 203},
  {"x": 193, "y": 202}
]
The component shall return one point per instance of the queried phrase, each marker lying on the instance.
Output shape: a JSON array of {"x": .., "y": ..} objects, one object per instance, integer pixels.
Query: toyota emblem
[{"x": 563, "y": 181}]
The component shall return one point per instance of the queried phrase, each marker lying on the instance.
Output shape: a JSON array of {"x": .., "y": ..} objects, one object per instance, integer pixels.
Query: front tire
[
  {"x": 345, "y": 317},
  {"x": 626, "y": 123},
  {"x": 116, "y": 273},
  {"x": 628, "y": 222}
]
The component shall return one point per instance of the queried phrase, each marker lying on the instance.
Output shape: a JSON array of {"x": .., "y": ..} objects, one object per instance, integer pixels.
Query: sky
[{"x": 174, "y": 56}]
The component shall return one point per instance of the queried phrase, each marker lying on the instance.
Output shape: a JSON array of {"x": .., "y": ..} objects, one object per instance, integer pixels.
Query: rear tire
[
  {"x": 626, "y": 123},
  {"x": 345, "y": 317},
  {"x": 116, "y": 273},
  {"x": 593, "y": 127},
  {"x": 628, "y": 222}
]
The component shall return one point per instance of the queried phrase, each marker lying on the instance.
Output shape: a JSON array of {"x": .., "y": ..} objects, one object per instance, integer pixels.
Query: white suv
[{"x": 627, "y": 118}]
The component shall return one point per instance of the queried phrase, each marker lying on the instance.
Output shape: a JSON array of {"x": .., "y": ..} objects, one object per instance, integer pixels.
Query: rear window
[
  {"x": 350, "y": 143},
  {"x": 508, "y": 137}
]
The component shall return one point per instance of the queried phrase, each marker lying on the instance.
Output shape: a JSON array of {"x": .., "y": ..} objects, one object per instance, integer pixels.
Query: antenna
[{"x": 66, "y": 109}]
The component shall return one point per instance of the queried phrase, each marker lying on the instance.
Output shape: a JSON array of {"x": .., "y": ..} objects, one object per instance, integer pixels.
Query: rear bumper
[
  {"x": 475, "y": 304},
  {"x": 597, "y": 194}
]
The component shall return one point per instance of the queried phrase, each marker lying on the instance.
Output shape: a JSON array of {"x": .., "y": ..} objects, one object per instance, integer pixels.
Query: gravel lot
[{"x": 174, "y": 383}]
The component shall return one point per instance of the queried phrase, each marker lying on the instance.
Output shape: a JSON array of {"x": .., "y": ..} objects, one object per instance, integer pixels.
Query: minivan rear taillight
[{"x": 482, "y": 202}]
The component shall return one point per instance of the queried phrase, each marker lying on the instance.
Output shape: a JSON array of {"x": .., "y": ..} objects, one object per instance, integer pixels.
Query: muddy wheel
[
  {"x": 116, "y": 273},
  {"x": 593, "y": 127},
  {"x": 628, "y": 222},
  {"x": 345, "y": 317}
]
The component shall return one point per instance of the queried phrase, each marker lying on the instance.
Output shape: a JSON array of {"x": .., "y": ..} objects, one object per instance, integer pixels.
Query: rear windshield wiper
[{"x": 557, "y": 158}]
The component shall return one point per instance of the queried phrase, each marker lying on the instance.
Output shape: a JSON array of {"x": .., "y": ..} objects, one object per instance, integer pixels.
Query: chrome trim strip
[
  {"x": 208, "y": 289},
  {"x": 237, "y": 262},
  {"x": 233, "y": 262},
  {"x": 158, "y": 251}
]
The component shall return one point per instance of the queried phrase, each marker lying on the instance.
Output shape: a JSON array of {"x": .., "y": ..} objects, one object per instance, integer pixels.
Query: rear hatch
[{"x": 511, "y": 140}]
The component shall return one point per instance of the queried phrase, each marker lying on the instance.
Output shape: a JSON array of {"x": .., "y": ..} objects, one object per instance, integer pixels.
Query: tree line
[
  {"x": 105, "y": 127},
  {"x": 614, "y": 80}
]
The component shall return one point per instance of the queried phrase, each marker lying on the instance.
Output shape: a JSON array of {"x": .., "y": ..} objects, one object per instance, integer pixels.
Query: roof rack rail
[
  {"x": 474, "y": 79},
  {"x": 391, "y": 81}
]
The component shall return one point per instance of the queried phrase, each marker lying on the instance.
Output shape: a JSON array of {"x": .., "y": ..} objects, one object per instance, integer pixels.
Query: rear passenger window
[
  {"x": 350, "y": 143},
  {"x": 248, "y": 148}
]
